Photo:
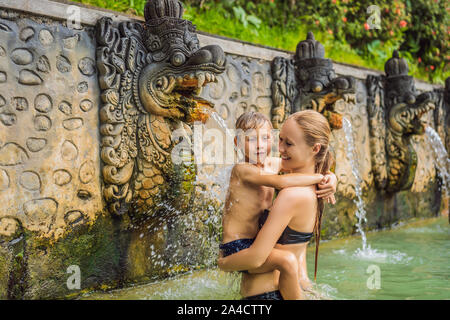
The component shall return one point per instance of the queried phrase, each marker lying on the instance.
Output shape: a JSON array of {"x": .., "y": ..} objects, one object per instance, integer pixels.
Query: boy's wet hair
[{"x": 252, "y": 120}]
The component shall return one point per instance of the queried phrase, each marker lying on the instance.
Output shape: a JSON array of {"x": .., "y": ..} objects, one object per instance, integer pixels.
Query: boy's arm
[
  {"x": 327, "y": 188},
  {"x": 255, "y": 176}
]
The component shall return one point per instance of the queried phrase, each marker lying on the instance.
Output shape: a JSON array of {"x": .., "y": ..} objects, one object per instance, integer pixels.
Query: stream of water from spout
[
  {"x": 222, "y": 171},
  {"x": 440, "y": 157},
  {"x": 360, "y": 211}
]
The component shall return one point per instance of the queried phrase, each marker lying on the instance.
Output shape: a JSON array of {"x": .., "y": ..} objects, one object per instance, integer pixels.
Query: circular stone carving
[
  {"x": 26, "y": 34},
  {"x": 223, "y": 111},
  {"x": 69, "y": 151},
  {"x": 62, "y": 177},
  {"x": 39, "y": 211},
  {"x": 245, "y": 89},
  {"x": 20, "y": 103},
  {"x": 30, "y": 78},
  {"x": 11, "y": 154},
  {"x": 43, "y": 103},
  {"x": 21, "y": 57},
  {"x": 71, "y": 42},
  {"x": 74, "y": 217},
  {"x": 73, "y": 124},
  {"x": 253, "y": 108},
  {"x": 30, "y": 180},
  {"x": 65, "y": 107},
  {"x": 43, "y": 65},
  {"x": 357, "y": 121},
  {"x": 87, "y": 66},
  {"x": 36, "y": 144},
  {"x": 234, "y": 96},
  {"x": 258, "y": 81},
  {"x": 86, "y": 105},
  {"x": 8, "y": 119},
  {"x": 233, "y": 73},
  {"x": 42, "y": 123},
  {"x": 82, "y": 87},
  {"x": 359, "y": 97},
  {"x": 63, "y": 64},
  {"x": 4, "y": 180},
  {"x": 45, "y": 37},
  {"x": 217, "y": 89},
  {"x": 87, "y": 172}
]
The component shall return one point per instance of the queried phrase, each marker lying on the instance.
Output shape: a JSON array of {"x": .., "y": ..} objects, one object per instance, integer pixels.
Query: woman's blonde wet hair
[
  {"x": 252, "y": 120},
  {"x": 316, "y": 130}
]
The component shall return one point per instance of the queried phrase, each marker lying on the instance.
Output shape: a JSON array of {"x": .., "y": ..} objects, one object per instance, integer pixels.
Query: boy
[{"x": 251, "y": 191}]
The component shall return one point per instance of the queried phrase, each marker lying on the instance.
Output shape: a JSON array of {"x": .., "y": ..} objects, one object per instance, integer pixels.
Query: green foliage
[{"x": 346, "y": 28}]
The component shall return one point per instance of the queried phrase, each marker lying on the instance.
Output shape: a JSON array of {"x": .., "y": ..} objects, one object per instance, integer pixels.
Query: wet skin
[
  {"x": 295, "y": 207},
  {"x": 251, "y": 191}
]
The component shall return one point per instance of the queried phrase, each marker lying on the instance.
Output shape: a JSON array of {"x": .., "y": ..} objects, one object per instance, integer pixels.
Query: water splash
[
  {"x": 219, "y": 174},
  {"x": 440, "y": 156},
  {"x": 360, "y": 211}
]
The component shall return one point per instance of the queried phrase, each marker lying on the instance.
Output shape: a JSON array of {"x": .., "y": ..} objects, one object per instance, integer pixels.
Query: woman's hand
[{"x": 327, "y": 188}]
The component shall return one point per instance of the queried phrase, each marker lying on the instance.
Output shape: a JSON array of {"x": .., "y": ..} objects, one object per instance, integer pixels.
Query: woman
[{"x": 296, "y": 213}]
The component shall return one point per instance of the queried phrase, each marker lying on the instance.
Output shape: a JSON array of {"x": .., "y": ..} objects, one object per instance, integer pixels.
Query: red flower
[
  {"x": 366, "y": 26},
  {"x": 334, "y": 1},
  {"x": 317, "y": 22},
  {"x": 344, "y": 19},
  {"x": 330, "y": 31},
  {"x": 432, "y": 67},
  {"x": 419, "y": 59},
  {"x": 403, "y": 24}
]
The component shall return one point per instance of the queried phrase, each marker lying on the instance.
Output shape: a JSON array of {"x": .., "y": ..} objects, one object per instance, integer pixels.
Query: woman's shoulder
[{"x": 296, "y": 195}]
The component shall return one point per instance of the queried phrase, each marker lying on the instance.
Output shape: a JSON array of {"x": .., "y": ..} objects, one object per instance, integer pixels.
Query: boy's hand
[{"x": 327, "y": 188}]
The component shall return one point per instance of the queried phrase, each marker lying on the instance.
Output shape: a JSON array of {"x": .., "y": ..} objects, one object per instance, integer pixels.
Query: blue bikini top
[{"x": 288, "y": 236}]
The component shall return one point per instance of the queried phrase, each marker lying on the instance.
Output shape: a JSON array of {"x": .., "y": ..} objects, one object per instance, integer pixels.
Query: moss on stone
[
  {"x": 92, "y": 248},
  {"x": 5, "y": 267}
]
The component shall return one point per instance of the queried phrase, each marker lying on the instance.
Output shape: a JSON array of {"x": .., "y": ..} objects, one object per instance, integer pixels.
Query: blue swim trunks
[
  {"x": 272, "y": 295},
  {"x": 236, "y": 246}
]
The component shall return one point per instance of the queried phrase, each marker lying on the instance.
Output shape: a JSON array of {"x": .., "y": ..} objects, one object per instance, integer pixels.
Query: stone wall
[{"x": 53, "y": 212}]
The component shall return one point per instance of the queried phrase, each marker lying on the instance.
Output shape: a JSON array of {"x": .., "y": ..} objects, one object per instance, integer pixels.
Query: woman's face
[{"x": 295, "y": 153}]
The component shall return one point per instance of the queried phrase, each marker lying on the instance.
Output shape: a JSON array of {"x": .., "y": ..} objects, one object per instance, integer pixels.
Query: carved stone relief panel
[
  {"x": 352, "y": 108},
  {"x": 244, "y": 86},
  {"x": 49, "y": 141}
]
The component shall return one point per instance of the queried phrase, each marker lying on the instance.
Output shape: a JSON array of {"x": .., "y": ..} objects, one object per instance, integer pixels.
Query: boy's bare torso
[{"x": 245, "y": 203}]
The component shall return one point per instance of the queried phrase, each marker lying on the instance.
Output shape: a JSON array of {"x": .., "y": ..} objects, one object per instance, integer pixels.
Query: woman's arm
[
  {"x": 286, "y": 205},
  {"x": 256, "y": 176}
]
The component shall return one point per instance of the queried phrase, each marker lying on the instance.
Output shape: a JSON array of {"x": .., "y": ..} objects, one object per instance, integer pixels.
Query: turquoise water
[{"x": 406, "y": 262}]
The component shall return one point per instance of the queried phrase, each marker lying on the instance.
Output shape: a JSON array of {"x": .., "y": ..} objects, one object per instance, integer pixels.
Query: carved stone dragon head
[
  {"x": 307, "y": 81},
  {"x": 170, "y": 83},
  {"x": 405, "y": 107},
  {"x": 319, "y": 87},
  {"x": 150, "y": 75}
]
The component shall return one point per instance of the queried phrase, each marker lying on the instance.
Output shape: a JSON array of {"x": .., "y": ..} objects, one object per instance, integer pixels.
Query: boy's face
[{"x": 257, "y": 144}]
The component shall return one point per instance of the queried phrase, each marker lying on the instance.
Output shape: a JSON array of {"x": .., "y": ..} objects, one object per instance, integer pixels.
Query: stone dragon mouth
[
  {"x": 418, "y": 123},
  {"x": 326, "y": 105},
  {"x": 183, "y": 91}
]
